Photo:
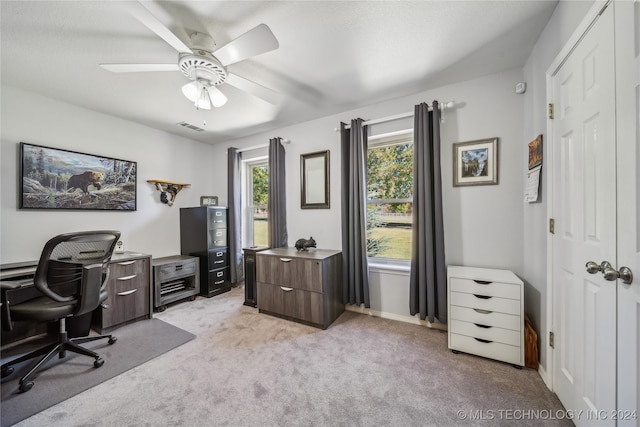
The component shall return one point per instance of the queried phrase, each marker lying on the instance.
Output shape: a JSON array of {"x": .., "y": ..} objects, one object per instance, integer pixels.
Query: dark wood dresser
[
  {"x": 129, "y": 288},
  {"x": 302, "y": 286}
]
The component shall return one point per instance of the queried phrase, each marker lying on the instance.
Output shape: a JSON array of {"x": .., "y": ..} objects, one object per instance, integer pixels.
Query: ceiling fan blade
[
  {"x": 139, "y": 68},
  {"x": 266, "y": 94},
  {"x": 142, "y": 14},
  {"x": 253, "y": 42}
]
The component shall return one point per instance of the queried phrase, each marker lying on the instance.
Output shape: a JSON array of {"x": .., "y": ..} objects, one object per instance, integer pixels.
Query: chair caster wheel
[
  {"x": 192, "y": 298},
  {"x": 7, "y": 371},
  {"x": 25, "y": 386},
  {"x": 112, "y": 340},
  {"x": 162, "y": 308},
  {"x": 98, "y": 363}
]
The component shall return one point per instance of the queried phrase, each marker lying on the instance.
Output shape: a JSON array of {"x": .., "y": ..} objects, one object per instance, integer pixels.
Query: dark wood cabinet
[
  {"x": 129, "y": 288},
  {"x": 302, "y": 286},
  {"x": 174, "y": 278},
  {"x": 203, "y": 234}
]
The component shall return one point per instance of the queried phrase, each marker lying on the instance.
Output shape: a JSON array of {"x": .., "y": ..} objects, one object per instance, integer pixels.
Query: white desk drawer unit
[{"x": 486, "y": 313}]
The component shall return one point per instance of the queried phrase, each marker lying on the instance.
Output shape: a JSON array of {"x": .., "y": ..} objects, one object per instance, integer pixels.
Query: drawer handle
[
  {"x": 220, "y": 274},
  {"x": 219, "y": 282},
  {"x": 218, "y": 241},
  {"x": 482, "y": 282},
  {"x": 126, "y": 262},
  {"x": 482, "y": 296},
  {"x": 482, "y": 326},
  {"x": 286, "y": 289},
  {"x": 219, "y": 253},
  {"x": 484, "y": 341},
  {"x": 285, "y": 259},
  {"x": 126, "y": 292},
  {"x": 126, "y": 277},
  {"x": 482, "y": 311},
  {"x": 218, "y": 262}
]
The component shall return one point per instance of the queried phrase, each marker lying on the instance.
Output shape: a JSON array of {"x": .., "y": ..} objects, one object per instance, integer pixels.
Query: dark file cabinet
[{"x": 203, "y": 234}]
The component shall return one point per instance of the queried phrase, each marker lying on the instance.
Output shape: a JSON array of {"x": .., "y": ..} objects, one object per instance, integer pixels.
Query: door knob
[
  {"x": 610, "y": 274},
  {"x": 593, "y": 268},
  {"x": 625, "y": 274}
]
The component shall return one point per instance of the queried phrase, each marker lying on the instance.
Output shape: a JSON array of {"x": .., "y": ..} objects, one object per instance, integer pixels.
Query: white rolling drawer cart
[{"x": 486, "y": 313}]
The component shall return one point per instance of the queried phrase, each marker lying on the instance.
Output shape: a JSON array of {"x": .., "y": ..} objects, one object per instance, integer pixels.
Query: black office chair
[{"x": 71, "y": 275}]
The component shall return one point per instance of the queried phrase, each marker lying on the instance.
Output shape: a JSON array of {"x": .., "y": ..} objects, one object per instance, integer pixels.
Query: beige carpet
[
  {"x": 249, "y": 369},
  {"x": 64, "y": 378}
]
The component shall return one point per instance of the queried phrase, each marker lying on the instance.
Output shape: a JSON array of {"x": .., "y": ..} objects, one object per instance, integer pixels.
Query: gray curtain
[
  {"x": 355, "y": 271},
  {"x": 277, "y": 204},
  {"x": 234, "y": 194},
  {"x": 428, "y": 280}
]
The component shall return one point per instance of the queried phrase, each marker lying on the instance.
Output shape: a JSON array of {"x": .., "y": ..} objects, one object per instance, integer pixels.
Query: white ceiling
[{"x": 333, "y": 56}]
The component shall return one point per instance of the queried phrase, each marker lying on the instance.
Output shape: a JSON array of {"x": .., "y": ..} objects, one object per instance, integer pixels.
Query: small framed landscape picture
[{"x": 475, "y": 162}]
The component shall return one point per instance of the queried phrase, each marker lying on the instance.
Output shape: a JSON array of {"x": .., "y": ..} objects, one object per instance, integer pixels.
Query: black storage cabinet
[
  {"x": 250, "y": 289},
  {"x": 203, "y": 234}
]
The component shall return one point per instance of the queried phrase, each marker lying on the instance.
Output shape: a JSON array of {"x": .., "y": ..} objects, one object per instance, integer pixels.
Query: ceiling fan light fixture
[
  {"x": 203, "y": 94},
  {"x": 196, "y": 92},
  {"x": 218, "y": 99},
  {"x": 190, "y": 90},
  {"x": 204, "y": 101}
]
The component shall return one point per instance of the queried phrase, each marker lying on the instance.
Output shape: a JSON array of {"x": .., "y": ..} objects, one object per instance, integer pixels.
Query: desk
[
  {"x": 17, "y": 270},
  {"x": 121, "y": 269}
]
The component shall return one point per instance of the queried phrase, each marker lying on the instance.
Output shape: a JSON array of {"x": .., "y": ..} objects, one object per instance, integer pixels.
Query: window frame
[
  {"x": 404, "y": 136},
  {"x": 248, "y": 199}
]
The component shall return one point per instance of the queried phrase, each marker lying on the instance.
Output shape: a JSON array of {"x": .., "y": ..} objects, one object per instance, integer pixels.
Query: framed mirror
[{"x": 314, "y": 180}]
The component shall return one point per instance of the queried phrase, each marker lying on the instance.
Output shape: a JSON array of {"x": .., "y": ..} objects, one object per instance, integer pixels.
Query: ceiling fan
[{"x": 204, "y": 65}]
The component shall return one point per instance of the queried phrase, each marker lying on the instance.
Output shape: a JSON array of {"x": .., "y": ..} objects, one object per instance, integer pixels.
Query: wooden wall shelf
[{"x": 168, "y": 189}]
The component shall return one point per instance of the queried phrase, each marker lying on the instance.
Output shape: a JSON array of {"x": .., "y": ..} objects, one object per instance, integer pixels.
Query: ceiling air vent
[{"x": 190, "y": 126}]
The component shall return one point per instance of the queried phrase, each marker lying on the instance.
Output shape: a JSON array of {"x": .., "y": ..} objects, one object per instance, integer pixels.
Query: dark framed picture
[
  {"x": 475, "y": 162},
  {"x": 53, "y": 178}
]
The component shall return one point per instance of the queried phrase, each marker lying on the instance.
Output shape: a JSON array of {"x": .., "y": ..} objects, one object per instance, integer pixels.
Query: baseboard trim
[
  {"x": 393, "y": 316},
  {"x": 543, "y": 374}
]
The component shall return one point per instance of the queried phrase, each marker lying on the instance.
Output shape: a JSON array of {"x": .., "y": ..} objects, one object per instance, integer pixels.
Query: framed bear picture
[{"x": 53, "y": 178}]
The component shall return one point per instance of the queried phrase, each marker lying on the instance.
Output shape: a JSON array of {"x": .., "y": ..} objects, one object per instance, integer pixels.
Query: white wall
[
  {"x": 152, "y": 229},
  {"x": 483, "y": 224},
  {"x": 563, "y": 22}
]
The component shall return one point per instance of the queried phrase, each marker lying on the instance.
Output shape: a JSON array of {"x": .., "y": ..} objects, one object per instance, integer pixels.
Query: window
[
  {"x": 390, "y": 198},
  {"x": 257, "y": 197}
]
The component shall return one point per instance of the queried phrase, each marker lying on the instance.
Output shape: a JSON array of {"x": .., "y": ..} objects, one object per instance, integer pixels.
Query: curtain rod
[
  {"x": 255, "y": 147},
  {"x": 449, "y": 104}
]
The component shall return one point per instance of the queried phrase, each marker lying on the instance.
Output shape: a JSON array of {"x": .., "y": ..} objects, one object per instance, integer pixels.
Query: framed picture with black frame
[
  {"x": 54, "y": 178},
  {"x": 314, "y": 180}
]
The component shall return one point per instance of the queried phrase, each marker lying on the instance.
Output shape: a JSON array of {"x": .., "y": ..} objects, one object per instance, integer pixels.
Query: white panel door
[
  {"x": 584, "y": 204},
  {"x": 627, "y": 15}
]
